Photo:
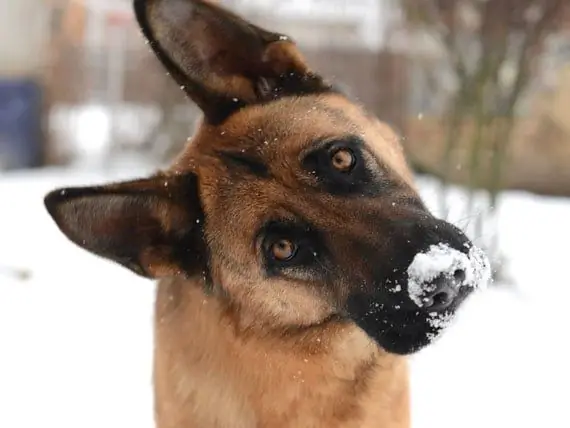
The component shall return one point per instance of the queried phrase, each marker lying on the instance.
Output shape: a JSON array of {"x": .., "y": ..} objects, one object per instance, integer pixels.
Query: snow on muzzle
[{"x": 437, "y": 276}]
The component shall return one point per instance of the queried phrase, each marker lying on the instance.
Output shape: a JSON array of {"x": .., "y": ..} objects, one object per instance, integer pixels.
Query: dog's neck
[{"x": 209, "y": 374}]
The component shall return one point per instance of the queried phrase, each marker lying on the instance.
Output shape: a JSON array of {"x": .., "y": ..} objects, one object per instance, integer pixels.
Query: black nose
[{"x": 443, "y": 291}]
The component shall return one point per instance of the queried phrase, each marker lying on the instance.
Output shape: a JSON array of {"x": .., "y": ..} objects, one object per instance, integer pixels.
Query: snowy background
[{"x": 76, "y": 336}]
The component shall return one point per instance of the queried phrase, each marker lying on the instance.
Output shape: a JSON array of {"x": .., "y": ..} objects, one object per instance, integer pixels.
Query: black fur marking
[
  {"x": 245, "y": 161},
  {"x": 296, "y": 84}
]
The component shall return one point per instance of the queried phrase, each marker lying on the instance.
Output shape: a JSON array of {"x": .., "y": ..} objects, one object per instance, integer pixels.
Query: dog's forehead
[
  {"x": 287, "y": 127},
  {"x": 291, "y": 125},
  {"x": 297, "y": 121}
]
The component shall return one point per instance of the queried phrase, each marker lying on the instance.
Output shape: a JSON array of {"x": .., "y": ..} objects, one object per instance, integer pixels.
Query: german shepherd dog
[{"x": 297, "y": 265}]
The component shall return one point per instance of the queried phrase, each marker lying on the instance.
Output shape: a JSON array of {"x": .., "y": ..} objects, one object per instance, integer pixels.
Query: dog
[{"x": 297, "y": 265}]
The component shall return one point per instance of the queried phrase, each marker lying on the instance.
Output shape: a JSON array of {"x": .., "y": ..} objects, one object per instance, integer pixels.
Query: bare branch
[{"x": 432, "y": 13}]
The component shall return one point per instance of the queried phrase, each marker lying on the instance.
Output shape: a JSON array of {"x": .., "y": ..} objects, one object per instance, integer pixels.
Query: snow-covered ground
[{"x": 76, "y": 338}]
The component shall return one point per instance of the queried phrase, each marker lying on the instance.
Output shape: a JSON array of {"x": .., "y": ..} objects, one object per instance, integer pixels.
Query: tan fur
[{"x": 207, "y": 374}]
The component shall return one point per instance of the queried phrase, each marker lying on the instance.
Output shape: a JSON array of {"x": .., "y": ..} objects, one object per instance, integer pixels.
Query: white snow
[
  {"x": 440, "y": 320},
  {"x": 76, "y": 337},
  {"x": 441, "y": 259}
]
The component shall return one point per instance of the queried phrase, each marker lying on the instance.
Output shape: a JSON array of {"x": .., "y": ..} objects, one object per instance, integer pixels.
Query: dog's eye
[
  {"x": 283, "y": 250},
  {"x": 287, "y": 245},
  {"x": 343, "y": 160}
]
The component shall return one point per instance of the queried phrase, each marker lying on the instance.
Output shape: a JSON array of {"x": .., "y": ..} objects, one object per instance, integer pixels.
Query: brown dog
[{"x": 298, "y": 265}]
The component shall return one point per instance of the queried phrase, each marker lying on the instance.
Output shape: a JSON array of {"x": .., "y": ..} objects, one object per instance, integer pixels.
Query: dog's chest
[{"x": 205, "y": 398}]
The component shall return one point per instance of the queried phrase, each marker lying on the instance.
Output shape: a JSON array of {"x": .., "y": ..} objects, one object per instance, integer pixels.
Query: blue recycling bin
[{"x": 20, "y": 124}]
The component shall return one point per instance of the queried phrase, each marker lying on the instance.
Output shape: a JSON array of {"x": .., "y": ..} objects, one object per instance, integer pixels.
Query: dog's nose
[
  {"x": 442, "y": 291},
  {"x": 438, "y": 277}
]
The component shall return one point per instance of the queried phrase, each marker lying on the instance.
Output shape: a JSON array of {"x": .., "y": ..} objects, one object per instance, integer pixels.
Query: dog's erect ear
[
  {"x": 152, "y": 226},
  {"x": 221, "y": 61}
]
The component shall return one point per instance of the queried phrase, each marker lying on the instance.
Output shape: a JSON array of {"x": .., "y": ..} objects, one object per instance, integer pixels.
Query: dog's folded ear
[{"x": 220, "y": 60}]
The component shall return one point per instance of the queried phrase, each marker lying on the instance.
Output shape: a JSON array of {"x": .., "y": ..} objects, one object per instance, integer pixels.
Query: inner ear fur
[
  {"x": 220, "y": 60},
  {"x": 152, "y": 226}
]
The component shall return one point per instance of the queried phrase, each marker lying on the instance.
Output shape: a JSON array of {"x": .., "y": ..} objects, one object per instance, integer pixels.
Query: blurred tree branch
[{"x": 491, "y": 48}]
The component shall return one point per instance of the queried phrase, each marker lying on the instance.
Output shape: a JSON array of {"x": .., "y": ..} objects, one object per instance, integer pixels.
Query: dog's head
[{"x": 291, "y": 201}]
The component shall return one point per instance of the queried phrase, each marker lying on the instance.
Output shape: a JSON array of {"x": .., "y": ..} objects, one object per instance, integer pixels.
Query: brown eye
[
  {"x": 343, "y": 160},
  {"x": 283, "y": 250}
]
